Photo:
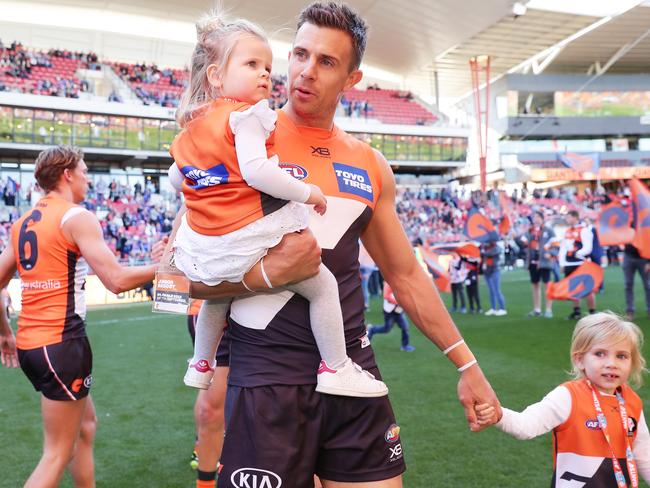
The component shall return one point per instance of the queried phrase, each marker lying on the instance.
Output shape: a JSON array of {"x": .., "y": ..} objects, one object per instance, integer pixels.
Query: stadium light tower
[{"x": 480, "y": 67}]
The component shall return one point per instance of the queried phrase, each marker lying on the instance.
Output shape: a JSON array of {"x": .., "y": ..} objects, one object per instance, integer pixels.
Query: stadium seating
[
  {"x": 553, "y": 163},
  {"x": 58, "y": 77},
  {"x": 153, "y": 85},
  {"x": 392, "y": 106}
]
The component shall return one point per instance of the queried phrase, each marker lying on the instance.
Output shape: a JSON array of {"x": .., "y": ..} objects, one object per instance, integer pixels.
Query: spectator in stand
[
  {"x": 393, "y": 314},
  {"x": 490, "y": 254},
  {"x": 457, "y": 277},
  {"x": 633, "y": 263}
]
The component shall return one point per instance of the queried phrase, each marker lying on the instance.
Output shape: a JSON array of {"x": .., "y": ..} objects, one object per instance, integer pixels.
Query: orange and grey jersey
[
  {"x": 52, "y": 274},
  {"x": 581, "y": 454},
  {"x": 218, "y": 199},
  {"x": 347, "y": 171}
]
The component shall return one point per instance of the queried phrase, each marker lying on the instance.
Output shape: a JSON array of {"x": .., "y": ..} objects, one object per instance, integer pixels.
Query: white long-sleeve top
[
  {"x": 587, "y": 238},
  {"x": 251, "y": 128},
  {"x": 553, "y": 410}
]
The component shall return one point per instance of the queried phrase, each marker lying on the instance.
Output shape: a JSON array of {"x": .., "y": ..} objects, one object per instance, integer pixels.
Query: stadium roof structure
[{"x": 426, "y": 44}]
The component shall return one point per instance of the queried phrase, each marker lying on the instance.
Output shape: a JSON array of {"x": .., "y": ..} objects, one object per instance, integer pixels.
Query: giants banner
[
  {"x": 641, "y": 217},
  {"x": 466, "y": 249},
  {"x": 582, "y": 163},
  {"x": 613, "y": 225},
  {"x": 583, "y": 282},
  {"x": 479, "y": 228},
  {"x": 440, "y": 275}
]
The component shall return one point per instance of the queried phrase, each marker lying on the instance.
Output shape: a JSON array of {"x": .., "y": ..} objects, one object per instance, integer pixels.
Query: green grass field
[{"x": 145, "y": 431}]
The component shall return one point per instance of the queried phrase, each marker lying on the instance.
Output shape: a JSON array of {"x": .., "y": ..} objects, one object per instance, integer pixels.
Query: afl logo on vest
[{"x": 298, "y": 172}]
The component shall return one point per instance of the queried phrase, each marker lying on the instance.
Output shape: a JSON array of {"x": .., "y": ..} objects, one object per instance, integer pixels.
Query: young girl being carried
[
  {"x": 600, "y": 436},
  {"x": 240, "y": 202}
]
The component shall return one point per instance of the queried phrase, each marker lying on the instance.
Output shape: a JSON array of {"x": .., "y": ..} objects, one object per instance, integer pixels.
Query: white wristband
[
  {"x": 246, "y": 286},
  {"x": 453, "y": 346},
  {"x": 264, "y": 275},
  {"x": 468, "y": 365}
]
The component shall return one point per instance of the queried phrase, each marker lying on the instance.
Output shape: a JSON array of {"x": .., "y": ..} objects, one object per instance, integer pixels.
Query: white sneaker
[
  {"x": 199, "y": 374},
  {"x": 501, "y": 312},
  {"x": 349, "y": 380},
  {"x": 491, "y": 312}
]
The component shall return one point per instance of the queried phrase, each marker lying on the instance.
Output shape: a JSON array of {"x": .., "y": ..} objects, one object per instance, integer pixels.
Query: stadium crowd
[
  {"x": 133, "y": 217},
  {"x": 36, "y": 70}
]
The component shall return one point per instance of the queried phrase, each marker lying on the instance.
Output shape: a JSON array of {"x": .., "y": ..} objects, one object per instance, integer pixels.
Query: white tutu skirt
[{"x": 213, "y": 259}]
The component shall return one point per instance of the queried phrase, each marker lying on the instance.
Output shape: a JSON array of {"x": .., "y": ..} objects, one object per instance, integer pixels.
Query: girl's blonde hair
[
  {"x": 216, "y": 38},
  {"x": 608, "y": 327}
]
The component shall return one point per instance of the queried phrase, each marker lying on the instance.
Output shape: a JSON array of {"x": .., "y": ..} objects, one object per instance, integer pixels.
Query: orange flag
[
  {"x": 466, "y": 249},
  {"x": 613, "y": 225},
  {"x": 583, "y": 282},
  {"x": 479, "y": 228},
  {"x": 641, "y": 217},
  {"x": 440, "y": 275}
]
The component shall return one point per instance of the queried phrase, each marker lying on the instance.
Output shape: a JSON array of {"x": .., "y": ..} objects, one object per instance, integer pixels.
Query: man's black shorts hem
[
  {"x": 300, "y": 432},
  {"x": 388, "y": 474},
  {"x": 539, "y": 274},
  {"x": 60, "y": 371}
]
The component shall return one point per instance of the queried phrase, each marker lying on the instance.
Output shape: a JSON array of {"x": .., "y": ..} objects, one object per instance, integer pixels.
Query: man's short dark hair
[
  {"x": 338, "y": 16},
  {"x": 574, "y": 213}
]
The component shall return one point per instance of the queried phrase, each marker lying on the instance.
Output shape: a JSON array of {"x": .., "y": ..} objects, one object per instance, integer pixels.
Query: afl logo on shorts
[
  {"x": 255, "y": 478},
  {"x": 298, "y": 172},
  {"x": 592, "y": 424},
  {"x": 392, "y": 434},
  {"x": 88, "y": 380}
]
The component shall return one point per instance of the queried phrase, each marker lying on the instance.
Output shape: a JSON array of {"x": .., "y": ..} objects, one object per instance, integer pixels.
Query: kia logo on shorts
[
  {"x": 255, "y": 478},
  {"x": 298, "y": 172}
]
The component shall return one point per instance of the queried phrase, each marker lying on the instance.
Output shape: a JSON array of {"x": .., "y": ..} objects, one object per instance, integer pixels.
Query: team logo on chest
[
  {"x": 298, "y": 172},
  {"x": 205, "y": 178},
  {"x": 353, "y": 180}
]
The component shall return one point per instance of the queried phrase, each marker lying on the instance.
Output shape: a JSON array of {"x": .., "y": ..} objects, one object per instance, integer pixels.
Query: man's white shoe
[
  {"x": 349, "y": 380},
  {"x": 199, "y": 374},
  {"x": 491, "y": 312},
  {"x": 501, "y": 312}
]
